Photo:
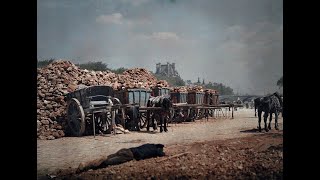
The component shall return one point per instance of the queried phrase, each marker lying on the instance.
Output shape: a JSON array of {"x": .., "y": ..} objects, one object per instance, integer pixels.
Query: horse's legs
[
  {"x": 270, "y": 119},
  {"x": 154, "y": 121},
  {"x": 165, "y": 124},
  {"x": 265, "y": 118},
  {"x": 148, "y": 120},
  {"x": 276, "y": 120},
  {"x": 137, "y": 122},
  {"x": 161, "y": 122},
  {"x": 259, "y": 119}
]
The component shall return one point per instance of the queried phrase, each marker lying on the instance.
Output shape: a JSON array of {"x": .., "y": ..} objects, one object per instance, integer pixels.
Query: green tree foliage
[
  {"x": 44, "y": 63},
  {"x": 100, "y": 66},
  {"x": 173, "y": 81},
  {"x": 223, "y": 90},
  {"x": 280, "y": 82},
  {"x": 94, "y": 66},
  {"x": 119, "y": 70}
]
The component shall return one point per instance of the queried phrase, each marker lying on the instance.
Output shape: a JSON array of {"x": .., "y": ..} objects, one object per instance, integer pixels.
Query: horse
[
  {"x": 165, "y": 103},
  {"x": 269, "y": 104},
  {"x": 257, "y": 102}
]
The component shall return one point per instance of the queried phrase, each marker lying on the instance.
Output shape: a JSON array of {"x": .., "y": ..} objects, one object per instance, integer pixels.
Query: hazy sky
[{"x": 236, "y": 42}]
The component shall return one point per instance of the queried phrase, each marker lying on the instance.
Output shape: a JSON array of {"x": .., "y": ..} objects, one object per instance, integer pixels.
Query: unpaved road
[{"x": 68, "y": 152}]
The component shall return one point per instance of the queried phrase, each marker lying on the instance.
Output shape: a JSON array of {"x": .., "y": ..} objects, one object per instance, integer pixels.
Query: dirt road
[{"x": 68, "y": 152}]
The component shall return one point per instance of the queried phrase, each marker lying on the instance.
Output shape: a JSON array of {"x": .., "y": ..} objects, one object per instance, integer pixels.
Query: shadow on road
[
  {"x": 148, "y": 132},
  {"x": 254, "y": 130}
]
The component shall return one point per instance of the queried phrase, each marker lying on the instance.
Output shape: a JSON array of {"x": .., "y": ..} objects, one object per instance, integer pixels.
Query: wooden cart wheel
[
  {"x": 143, "y": 120},
  {"x": 170, "y": 116},
  {"x": 75, "y": 117},
  {"x": 201, "y": 113}
]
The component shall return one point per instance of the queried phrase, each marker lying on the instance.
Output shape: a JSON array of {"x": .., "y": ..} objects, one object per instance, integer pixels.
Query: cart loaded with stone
[
  {"x": 91, "y": 109},
  {"x": 102, "y": 110}
]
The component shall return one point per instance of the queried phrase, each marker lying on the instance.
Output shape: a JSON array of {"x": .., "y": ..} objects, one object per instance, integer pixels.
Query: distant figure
[{"x": 124, "y": 155}]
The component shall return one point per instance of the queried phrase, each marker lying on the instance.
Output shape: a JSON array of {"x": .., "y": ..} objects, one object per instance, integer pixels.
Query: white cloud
[
  {"x": 115, "y": 18},
  {"x": 138, "y": 22},
  {"x": 164, "y": 36},
  {"x": 134, "y": 2},
  {"x": 158, "y": 36}
]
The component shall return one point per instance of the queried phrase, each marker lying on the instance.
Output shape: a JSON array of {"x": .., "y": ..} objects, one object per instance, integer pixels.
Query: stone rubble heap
[
  {"x": 188, "y": 89},
  {"x": 61, "y": 77},
  {"x": 211, "y": 91}
]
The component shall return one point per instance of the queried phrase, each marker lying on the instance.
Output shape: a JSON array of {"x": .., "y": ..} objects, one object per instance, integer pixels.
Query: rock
[
  {"x": 42, "y": 137},
  {"x": 50, "y": 137},
  {"x": 56, "y": 134},
  {"x": 61, "y": 133},
  {"x": 38, "y": 124},
  {"x": 45, "y": 122}
]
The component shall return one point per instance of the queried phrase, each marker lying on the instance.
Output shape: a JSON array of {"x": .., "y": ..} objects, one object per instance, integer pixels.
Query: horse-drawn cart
[
  {"x": 134, "y": 103},
  {"x": 89, "y": 110}
]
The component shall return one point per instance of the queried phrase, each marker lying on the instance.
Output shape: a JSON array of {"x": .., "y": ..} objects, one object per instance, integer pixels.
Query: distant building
[{"x": 167, "y": 69}]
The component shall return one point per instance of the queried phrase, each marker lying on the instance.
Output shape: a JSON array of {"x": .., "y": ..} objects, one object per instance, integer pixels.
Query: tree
[
  {"x": 173, "y": 81},
  {"x": 95, "y": 66},
  {"x": 119, "y": 70},
  {"x": 45, "y": 62},
  {"x": 280, "y": 82},
  {"x": 223, "y": 90}
]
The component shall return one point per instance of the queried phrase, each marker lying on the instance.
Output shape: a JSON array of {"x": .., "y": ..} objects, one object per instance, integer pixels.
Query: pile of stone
[
  {"x": 179, "y": 89},
  {"x": 61, "y": 77},
  {"x": 139, "y": 78},
  {"x": 212, "y": 91},
  {"x": 162, "y": 83},
  {"x": 195, "y": 89},
  {"x": 188, "y": 89}
]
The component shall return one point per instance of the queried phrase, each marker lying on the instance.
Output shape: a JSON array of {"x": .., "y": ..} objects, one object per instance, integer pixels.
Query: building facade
[{"x": 166, "y": 69}]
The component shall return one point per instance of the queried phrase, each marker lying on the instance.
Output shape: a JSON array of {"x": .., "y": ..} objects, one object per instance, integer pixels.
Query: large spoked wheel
[{"x": 75, "y": 117}]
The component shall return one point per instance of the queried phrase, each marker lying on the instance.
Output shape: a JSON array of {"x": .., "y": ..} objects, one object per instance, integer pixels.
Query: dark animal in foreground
[
  {"x": 165, "y": 103},
  {"x": 124, "y": 155},
  {"x": 256, "y": 105},
  {"x": 269, "y": 104}
]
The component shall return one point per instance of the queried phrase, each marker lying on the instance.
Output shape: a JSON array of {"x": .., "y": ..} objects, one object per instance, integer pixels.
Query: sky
[{"x": 235, "y": 42}]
